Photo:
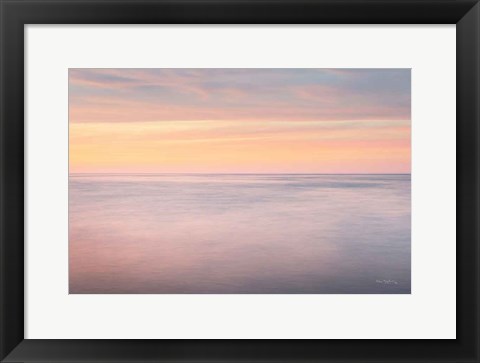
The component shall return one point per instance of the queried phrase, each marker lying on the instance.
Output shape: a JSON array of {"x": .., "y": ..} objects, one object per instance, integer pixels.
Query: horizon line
[{"x": 71, "y": 174}]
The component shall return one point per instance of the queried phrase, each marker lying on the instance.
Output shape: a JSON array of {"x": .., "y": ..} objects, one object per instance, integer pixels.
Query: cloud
[{"x": 138, "y": 95}]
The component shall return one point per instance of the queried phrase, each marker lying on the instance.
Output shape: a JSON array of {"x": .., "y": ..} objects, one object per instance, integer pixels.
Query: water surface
[{"x": 224, "y": 234}]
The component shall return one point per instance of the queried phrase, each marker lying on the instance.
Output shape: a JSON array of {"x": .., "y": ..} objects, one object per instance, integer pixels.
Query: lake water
[{"x": 227, "y": 234}]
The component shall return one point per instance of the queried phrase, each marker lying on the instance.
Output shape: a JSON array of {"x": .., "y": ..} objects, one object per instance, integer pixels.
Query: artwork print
[{"x": 239, "y": 181}]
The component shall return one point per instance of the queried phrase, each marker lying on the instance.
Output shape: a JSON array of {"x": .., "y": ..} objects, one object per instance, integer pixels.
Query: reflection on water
[{"x": 258, "y": 234}]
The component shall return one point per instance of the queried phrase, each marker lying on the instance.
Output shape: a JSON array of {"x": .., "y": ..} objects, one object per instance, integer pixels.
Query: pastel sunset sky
[{"x": 239, "y": 120}]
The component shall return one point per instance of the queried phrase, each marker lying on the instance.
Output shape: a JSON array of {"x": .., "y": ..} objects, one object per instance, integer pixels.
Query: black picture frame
[{"x": 15, "y": 14}]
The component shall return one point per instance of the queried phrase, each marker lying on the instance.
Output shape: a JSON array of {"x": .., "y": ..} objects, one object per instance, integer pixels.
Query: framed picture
[{"x": 239, "y": 181}]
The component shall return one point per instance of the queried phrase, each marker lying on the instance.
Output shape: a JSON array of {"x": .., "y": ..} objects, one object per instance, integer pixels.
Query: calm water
[{"x": 259, "y": 234}]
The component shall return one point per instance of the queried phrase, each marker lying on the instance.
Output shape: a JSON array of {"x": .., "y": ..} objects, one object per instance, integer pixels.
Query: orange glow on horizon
[{"x": 239, "y": 147}]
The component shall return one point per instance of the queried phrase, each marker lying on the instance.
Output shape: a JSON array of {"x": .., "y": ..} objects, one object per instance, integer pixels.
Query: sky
[{"x": 226, "y": 120}]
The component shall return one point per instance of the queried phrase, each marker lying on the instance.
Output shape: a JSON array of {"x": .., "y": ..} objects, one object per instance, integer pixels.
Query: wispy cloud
[{"x": 138, "y": 95}]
